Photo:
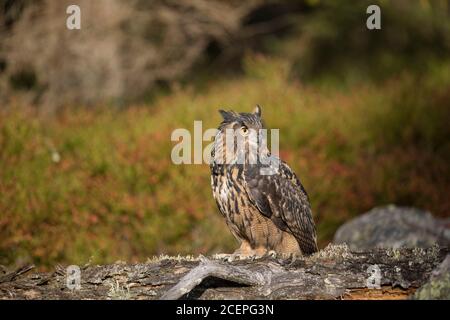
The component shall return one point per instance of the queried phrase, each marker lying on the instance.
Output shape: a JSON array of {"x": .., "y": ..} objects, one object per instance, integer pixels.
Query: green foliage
[
  {"x": 367, "y": 126},
  {"x": 333, "y": 42},
  {"x": 114, "y": 193}
]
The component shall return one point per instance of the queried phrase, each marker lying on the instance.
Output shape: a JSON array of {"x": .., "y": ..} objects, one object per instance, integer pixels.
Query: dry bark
[{"x": 333, "y": 273}]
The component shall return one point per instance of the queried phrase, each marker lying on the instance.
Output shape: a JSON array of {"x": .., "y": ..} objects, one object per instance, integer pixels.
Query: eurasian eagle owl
[{"x": 264, "y": 204}]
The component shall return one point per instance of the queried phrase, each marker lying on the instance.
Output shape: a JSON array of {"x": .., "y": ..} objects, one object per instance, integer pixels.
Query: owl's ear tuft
[
  {"x": 226, "y": 115},
  {"x": 257, "y": 110}
]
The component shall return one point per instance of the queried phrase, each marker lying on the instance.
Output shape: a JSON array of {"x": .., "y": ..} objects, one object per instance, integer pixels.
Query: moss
[
  {"x": 163, "y": 257},
  {"x": 119, "y": 292},
  {"x": 394, "y": 253},
  {"x": 334, "y": 252},
  {"x": 438, "y": 288}
]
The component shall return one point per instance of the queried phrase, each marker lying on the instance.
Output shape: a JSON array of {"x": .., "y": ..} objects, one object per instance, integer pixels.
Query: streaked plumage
[{"x": 264, "y": 212}]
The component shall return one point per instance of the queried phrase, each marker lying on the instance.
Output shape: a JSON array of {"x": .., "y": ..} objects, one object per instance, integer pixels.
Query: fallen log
[{"x": 333, "y": 273}]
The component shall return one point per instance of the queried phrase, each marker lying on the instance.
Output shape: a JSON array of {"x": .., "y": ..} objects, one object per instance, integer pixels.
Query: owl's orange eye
[{"x": 244, "y": 129}]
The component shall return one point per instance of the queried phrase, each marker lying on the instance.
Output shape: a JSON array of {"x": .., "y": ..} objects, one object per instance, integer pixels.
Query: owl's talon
[
  {"x": 244, "y": 257},
  {"x": 233, "y": 257},
  {"x": 291, "y": 263},
  {"x": 294, "y": 259},
  {"x": 225, "y": 257},
  {"x": 251, "y": 257}
]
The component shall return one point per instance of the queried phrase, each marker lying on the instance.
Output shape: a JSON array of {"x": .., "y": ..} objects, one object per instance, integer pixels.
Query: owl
[{"x": 263, "y": 202}]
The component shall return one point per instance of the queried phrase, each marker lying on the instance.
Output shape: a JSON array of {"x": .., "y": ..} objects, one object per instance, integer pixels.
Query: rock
[
  {"x": 438, "y": 286},
  {"x": 394, "y": 227}
]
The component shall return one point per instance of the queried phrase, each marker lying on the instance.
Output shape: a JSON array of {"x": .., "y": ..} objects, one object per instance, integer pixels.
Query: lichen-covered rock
[
  {"x": 394, "y": 227},
  {"x": 438, "y": 286}
]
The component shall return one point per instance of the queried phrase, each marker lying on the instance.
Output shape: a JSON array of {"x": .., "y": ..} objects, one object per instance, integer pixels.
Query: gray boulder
[
  {"x": 438, "y": 286},
  {"x": 394, "y": 227}
]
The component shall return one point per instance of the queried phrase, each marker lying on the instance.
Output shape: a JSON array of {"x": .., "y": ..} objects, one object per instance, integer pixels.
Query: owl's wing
[{"x": 281, "y": 197}]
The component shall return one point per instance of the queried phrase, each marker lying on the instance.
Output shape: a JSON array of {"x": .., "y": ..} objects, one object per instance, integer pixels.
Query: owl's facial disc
[
  {"x": 240, "y": 138},
  {"x": 240, "y": 142}
]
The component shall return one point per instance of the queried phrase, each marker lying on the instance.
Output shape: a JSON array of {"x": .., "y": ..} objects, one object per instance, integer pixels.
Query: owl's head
[
  {"x": 241, "y": 122},
  {"x": 240, "y": 138}
]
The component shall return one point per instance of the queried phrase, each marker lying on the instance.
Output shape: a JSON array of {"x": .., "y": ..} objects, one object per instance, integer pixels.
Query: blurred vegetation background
[{"x": 86, "y": 116}]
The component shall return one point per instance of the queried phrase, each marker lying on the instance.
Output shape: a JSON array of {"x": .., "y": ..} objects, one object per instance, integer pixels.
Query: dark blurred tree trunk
[{"x": 125, "y": 49}]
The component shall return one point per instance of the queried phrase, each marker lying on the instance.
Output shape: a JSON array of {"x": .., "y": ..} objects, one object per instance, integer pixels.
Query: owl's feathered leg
[{"x": 245, "y": 251}]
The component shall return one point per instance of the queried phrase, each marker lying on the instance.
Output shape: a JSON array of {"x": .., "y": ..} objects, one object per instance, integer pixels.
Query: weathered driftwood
[{"x": 333, "y": 273}]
